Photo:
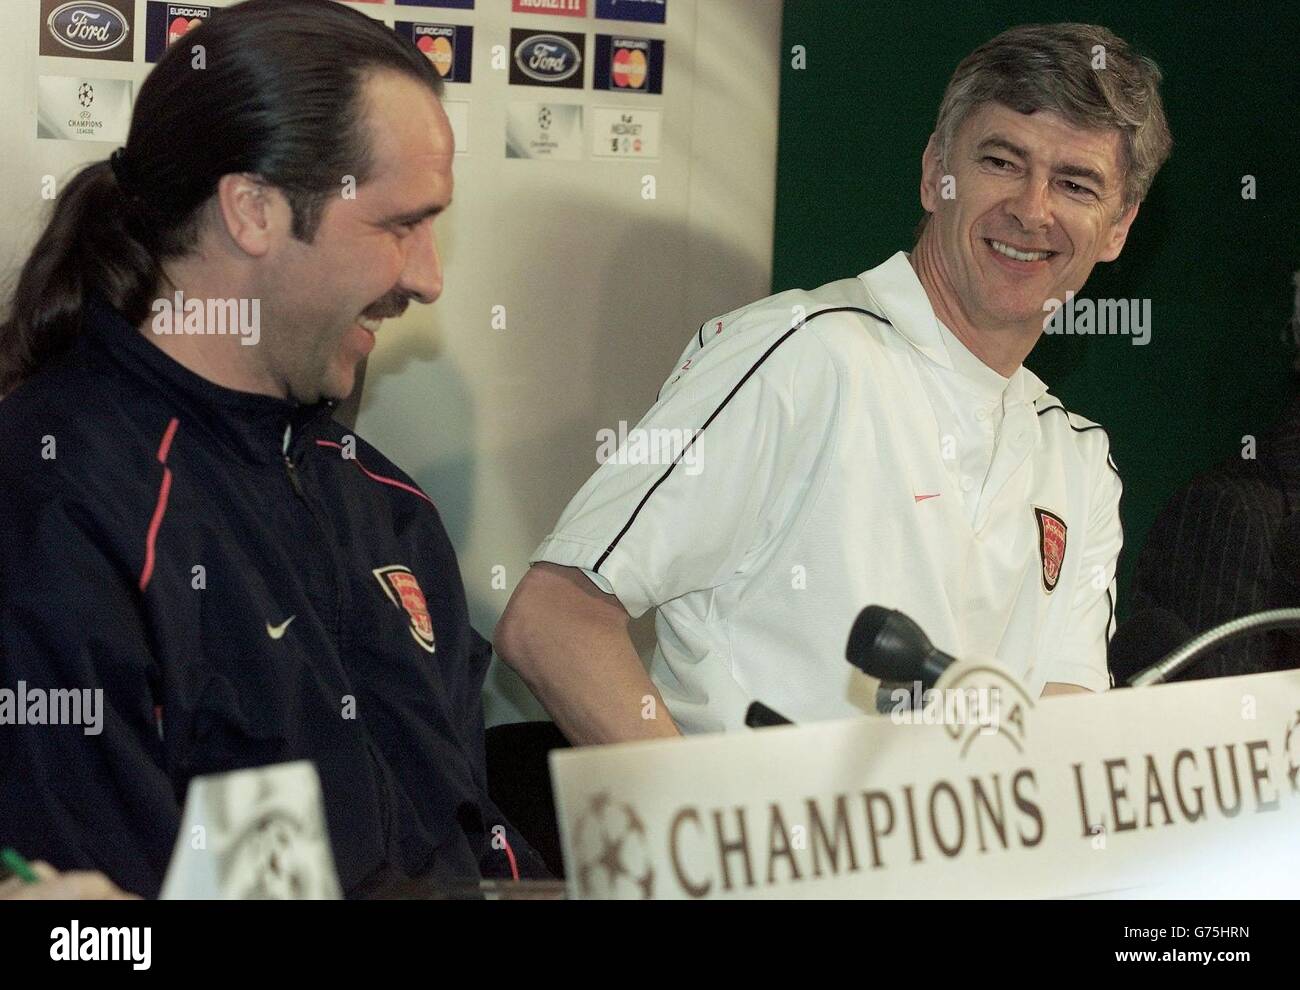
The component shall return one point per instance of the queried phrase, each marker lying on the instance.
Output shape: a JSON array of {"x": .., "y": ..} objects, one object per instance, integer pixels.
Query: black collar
[{"x": 254, "y": 425}]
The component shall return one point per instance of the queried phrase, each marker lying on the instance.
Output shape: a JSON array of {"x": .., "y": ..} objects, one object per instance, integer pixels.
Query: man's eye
[
  {"x": 997, "y": 162},
  {"x": 1074, "y": 187}
]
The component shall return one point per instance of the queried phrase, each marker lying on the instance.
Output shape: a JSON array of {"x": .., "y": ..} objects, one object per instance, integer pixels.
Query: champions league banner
[{"x": 1191, "y": 791}]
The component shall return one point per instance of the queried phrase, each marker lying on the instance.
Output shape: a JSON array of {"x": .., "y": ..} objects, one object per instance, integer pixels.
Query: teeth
[
  {"x": 1011, "y": 252},
  {"x": 370, "y": 323}
]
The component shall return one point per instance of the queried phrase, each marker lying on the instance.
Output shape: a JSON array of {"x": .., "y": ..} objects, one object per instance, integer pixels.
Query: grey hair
[{"x": 1083, "y": 72}]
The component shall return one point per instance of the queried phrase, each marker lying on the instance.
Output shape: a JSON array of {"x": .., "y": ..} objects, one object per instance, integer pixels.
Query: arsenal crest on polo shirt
[
  {"x": 1051, "y": 546},
  {"x": 403, "y": 590}
]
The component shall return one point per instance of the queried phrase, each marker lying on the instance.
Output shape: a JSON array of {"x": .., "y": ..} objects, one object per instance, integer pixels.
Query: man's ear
[
  {"x": 253, "y": 213},
  {"x": 931, "y": 174},
  {"x": 1118, "y": 235}
]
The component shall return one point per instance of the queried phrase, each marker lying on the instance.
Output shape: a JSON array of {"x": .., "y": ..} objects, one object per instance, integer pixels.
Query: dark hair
[{"x": 270, "y": 87}]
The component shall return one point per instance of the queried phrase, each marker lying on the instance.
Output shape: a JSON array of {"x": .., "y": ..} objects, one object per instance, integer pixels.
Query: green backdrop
[{"x": 1216, "y": 267}]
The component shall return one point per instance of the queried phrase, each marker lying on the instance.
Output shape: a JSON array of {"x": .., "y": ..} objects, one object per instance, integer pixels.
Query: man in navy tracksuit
[
  {"x": 185, "y": 528},
  {"x": 233, "y": 584}
]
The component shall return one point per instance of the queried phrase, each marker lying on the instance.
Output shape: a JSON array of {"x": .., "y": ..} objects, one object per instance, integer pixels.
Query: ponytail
[{"x": 92, "y": 243}]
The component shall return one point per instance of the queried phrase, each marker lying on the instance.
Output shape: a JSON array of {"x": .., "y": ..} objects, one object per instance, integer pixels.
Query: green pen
[{"x": 19, "y": 867}]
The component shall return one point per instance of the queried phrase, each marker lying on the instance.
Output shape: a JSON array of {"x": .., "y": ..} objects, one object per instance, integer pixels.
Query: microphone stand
[{"x": 1157, "y": 673}]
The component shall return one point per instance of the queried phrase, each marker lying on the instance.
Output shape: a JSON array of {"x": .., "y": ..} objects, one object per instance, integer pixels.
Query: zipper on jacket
[
  {"x": 385, "y": 801},
  {"x": 296, "y": 483},
  {"x": 290, "y": 469}
]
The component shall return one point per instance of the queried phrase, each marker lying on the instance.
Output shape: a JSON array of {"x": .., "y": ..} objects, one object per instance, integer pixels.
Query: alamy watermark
[
  {"x": 54, "y": 706},
  {"x": 947, "y": 706},
  {"x": 225, "y": 317},
  {"x": 650, "y": 445},
  {"x": 1099, "y": 317}
]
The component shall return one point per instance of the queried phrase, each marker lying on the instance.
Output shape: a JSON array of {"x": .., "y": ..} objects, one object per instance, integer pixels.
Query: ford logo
[
  {"x": 88, "y": 26},
  {"x": 548, "y": 58}
]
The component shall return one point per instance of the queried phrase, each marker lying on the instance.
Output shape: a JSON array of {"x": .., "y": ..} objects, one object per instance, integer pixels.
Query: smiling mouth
[{"x": 1018, "y": 254}]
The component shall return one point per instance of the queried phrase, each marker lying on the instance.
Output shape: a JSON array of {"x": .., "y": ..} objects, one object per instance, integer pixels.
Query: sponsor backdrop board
[
  {"x": 605, "y": 205},
  {"x": 1183, "y": 790}
]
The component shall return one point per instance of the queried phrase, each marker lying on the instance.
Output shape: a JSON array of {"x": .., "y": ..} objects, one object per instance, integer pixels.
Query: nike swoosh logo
[
  {"x": 275, "y": 632},
  {"x": 922, "y": 498}
]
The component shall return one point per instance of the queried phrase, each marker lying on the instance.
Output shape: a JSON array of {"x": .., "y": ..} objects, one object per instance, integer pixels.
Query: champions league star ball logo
[
  {"x": 86, "y": 95},
  {"x": 609, "y": 844}
]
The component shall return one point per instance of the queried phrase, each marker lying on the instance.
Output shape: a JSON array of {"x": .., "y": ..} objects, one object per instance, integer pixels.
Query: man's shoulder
[
  {"x": 1072, "y": 430},
  {"x": 792, "y": 340},
  {"x": 841, "y": 302},
  {"x": 1081, "y": 447},
  {"x": 67, "y": 433},
  {"x": 370, "y": 470}
]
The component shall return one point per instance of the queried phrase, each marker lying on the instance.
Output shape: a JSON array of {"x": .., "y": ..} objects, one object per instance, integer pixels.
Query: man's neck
[
  {"x": 223, "y": 359},
  {"x": 1003, "y": 349}
]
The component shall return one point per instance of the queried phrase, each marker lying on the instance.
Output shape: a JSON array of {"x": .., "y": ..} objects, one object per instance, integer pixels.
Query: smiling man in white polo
[{"x": 876, "y": 440}]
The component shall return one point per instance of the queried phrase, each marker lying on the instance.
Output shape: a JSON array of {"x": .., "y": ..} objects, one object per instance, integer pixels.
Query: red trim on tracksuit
[
  {"x": 378, "y": 477},
  {"x": 160, "y": 508}
]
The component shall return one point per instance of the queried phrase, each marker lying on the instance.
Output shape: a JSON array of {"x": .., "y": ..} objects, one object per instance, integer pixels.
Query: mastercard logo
[
  {"x": 438, "y": 51},
  {"x": 630, "y": 68},
  {"x": 179, "y": 26}
]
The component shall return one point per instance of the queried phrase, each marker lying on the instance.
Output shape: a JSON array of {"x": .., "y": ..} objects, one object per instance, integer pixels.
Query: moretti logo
[
  {"x": 88, "y": 26},
  {"x": 547, "y": 60}
]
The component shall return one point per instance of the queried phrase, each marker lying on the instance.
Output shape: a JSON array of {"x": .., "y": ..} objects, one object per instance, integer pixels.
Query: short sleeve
[
  {"x": 685, "y": 499},
  {"x": 1080, "y": 654}
]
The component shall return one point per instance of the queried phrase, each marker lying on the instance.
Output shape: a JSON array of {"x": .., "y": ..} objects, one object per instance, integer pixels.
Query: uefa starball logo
[
  {"x": 86, "y": 95},
  {"x": 611, "y": 851}
]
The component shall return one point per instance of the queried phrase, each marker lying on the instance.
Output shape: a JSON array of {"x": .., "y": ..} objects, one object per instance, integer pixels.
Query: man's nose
[
  {"x": 1030, "y": 204},
  {"x": 422, "y": 275}
]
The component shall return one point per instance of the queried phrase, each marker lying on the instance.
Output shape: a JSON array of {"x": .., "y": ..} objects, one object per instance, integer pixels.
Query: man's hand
[
  {"x": 74, "y": 885},
  {"x": 569, "y": 642}
]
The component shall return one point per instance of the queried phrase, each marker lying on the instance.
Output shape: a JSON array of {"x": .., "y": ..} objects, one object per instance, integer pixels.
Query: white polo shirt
[{"x": 850, "y": 451}]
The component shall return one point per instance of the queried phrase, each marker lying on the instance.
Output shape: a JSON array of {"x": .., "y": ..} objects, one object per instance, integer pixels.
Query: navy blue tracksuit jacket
[{"x": 157, "y": 532}]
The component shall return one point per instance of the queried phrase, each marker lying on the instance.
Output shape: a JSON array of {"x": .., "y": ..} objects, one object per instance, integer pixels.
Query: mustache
[{"x": 387, "y": 308}]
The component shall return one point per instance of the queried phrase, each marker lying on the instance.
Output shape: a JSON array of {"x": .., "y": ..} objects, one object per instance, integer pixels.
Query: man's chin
[
  {"x": 1002, "y": 312},
  {"x": 340, "y": 382}
]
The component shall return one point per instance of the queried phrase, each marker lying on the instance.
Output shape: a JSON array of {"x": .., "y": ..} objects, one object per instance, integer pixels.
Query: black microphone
[
  {"x": 886, "y": 644},
  {"x": 1146, "y": 637},
  {"x": 759, "y": 716}
]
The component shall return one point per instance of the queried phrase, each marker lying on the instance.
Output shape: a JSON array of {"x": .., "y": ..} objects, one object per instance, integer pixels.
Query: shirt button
[
  {"x": 981, "y": 414},
  {"x": 967, "y": 483}
]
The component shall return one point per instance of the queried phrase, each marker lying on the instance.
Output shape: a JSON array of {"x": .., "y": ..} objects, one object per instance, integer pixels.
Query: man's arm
[
  {"x": 82, "y": 797},
  {"x": 569, "y": 642},
  {"x": 1056, "y": 687}
]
